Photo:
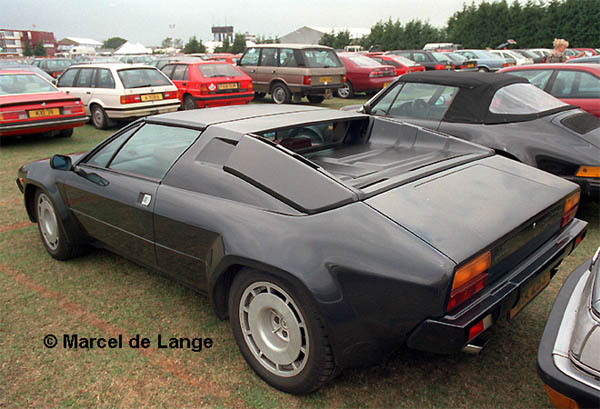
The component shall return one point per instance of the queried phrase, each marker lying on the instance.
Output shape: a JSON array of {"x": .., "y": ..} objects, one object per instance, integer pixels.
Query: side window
[
  {"x": 589, "y": 86},
  {"x": 268, "y": 57},
  {"x": 423, "y": 101},
  {"x": 383, "y": 105},
  {"x": 66, "y": 80},
  {"x": 104, "y": 78},
  {"x": 104, "y": 155},
  {"x": 539, "y": 78},
  {"x": 420, "y": 57},
  {"x": 85, "y": 78},
  {"x": 179, "y": 72},
  {"x": 168, "y": 70},
  {"x": 563, "y": 84},
  {"x": 575, "y": 84},
  {"x": 250, "y": 57},
  {"x": 287, "y": 58},
  {"x": 153, "y": 149}
]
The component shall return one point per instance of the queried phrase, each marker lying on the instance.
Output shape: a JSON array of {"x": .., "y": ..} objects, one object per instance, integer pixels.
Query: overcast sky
[{"x": 149, "y": 21}]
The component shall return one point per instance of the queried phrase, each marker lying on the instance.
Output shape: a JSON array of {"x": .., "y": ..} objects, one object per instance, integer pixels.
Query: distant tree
[
  {"x": 194, "y": 46},
  {"x": 225, "y": 48},
  {"x": 167, "y": 42},
  {"x": 113, "y": 42},
  {"x": 337, "y": 41},
  {"x": 264, "y": 40},
  {"x": 178, "y": 43},
  {"x": 393, "y": 35},
  {"x": 239, "y": 44},
  {"x": 27, "y": 51},
  {"x": 39, "y": 50}
]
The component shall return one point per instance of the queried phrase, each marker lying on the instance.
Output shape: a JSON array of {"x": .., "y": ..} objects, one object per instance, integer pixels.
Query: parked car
[
  {"x": 364, "y": 74},
  {"x": 320, "y": 234},
  {"x": 135, "y": 59},
  {"x": 460, "y": 62},
  {"x": 162, "y": 61},
  {"x": 291, "y": 71},
  {"x": 29, "y": 104},
  {"x": 486, "y": 61},
  {"x": 575, "y": 84},
  {"x": 537, "y": 58},
  {"x": 53, "y": 66},
  {"x": 503, "y": 112},
  {"x": 227, "y": 57},
  {"x": 568, "y": 358},
  {"x": 429, "y": 59},
  {"x": 586, "y": 60},
  {"x": 589, "y": 52},
  {"x": 30, "y": 68},
  {"x": 402, "y": 65},
  {"x": 510, "y": 55},
  {"x": 209, "y": 84},
  {"x": 119, "y": 91}
]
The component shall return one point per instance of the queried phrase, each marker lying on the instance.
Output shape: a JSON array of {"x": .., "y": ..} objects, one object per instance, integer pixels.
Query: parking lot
[{"x": 104, "y": 295}]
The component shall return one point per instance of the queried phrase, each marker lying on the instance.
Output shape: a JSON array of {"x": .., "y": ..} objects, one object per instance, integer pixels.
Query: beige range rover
[{"x": 291, "y": 71}]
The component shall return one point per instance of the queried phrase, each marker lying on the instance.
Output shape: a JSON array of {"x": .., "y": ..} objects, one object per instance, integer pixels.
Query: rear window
[
  {"x": 218, "y": 70},
  {"x": 523, "y": 99},
  {"x": 321, "y": 59},
  {"x": 142, "y": 77},
  {"x": 57, "y": 64},
  {"x": 403, "y": 60},
  {"x": 24, "y": 84},
  {"x": 363, "y": 61}
]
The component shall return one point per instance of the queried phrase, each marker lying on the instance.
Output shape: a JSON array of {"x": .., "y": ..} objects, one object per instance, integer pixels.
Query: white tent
[{"x": 131, "y": 48}]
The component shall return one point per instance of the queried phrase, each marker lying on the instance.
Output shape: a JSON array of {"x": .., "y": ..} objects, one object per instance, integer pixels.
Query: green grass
[{"x": 103, "y": 295}]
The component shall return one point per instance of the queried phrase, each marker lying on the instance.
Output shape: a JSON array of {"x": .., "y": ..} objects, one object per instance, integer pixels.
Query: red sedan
[
  {"x": 228, "y": 58},
  {"x": 205, "y": 84},
  {"x": 575, "y": 84},
  {"x": 363, "y": 74},
  {"x": 29, "y": 104},
  {"x": 403, "y": 65}
]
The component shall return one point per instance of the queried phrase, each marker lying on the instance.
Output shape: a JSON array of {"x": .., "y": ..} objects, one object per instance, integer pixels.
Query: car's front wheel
[{"x": 279, "y": 332}]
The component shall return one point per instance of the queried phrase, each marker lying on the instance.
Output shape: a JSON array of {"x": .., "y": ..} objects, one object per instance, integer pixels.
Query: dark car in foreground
[
  {"x": 569, "y": 353},
  {"x": 505, "y": 113},
  {"x": 326, "y": 237}
]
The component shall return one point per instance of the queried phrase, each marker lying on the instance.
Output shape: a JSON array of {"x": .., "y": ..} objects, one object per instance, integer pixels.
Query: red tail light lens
[
  {"x": 440, "y": 67},
  {"x": 73, "y": 109},
  {"x": 306, "y": 80},
  {"x": 344, "y": 79},
  {"x": 130, "y": 99},
  {"x": 469, "y": 280},
  {"x": 13, "y": 115},
  {"x": 571, "y": 205},
  {"x": 169, "y": 95}
]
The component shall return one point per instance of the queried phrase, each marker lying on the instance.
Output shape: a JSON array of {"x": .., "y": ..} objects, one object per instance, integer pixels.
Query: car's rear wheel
[
  {"x": 99, "y": 118},
  {"x": 346, "y": 91},
  {"x": 315, "y": 99},
  {"x": 280, "y": 94},
  {"x": 189, "y": 103},
  {"x": 53, "y": 236},
  {"x": 279, "y": 332}
]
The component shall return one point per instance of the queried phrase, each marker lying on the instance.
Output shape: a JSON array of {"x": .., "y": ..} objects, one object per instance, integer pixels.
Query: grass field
[{"x": 103, "y": 295}]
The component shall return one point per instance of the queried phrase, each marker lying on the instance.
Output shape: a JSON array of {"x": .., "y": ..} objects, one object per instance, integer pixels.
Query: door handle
[
  {"x": 252, "y": 70},
  {"x": 67, "y": 92},
  {"x": 145, "y": 199},
  {"x": 273, "y": 72},
  {"x": 89, "y": 93},
  {"x": 184, "y": 84}
]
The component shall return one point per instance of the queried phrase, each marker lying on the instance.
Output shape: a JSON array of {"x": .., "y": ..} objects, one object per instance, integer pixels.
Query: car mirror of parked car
[{"x": 61, "y": 162}]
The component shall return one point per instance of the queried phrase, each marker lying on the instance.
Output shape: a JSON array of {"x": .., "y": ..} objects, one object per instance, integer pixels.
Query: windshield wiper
[{"x": 142, "y": 86}]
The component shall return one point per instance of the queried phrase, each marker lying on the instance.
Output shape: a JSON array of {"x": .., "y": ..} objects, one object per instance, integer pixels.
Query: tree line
[{"x": 489, "y": 24}]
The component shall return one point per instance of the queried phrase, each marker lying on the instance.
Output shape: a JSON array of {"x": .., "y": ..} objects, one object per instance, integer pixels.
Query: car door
[
  {"x": 267, "y": 67},
  {"x": 249, "y": 63},
  {"x": 83, "y": 83},
  {"x": 577, "y": 88},
  {"x": 180, "y": 79},
  {"x": 66, "y": 82},
  {"x": 103, "y": 85}
]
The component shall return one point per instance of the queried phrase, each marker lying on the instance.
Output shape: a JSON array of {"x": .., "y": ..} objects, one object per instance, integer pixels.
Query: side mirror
[
  {"x": 365, "y": 109},
  {"x": 61, "y": 162}
]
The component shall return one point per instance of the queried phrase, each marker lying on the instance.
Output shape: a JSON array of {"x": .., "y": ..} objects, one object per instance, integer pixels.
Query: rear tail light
[
  {"x": 306, "y": 80},
  {"x": 54, "y": 74},
  {"x": 344, "y": 79},
  {"x": 559, "y": 400},
  {"x": 453, "y": 66},
  {"x": 169, "y": 95},
  {"x": 377, "y": 74},
  {"x": 130, "y": 99},
  {"x": 571, "y": 205},
  {"x": 13, "y": 115},
  {"x": 469, "y": 279},
  {"x": 440, "y": 67},
  {"x": 480, "y": 327},
  {"x": 589, "y": 172},
  {"x": 249, "y": 85},
  {"x": 73, "y": 109}
]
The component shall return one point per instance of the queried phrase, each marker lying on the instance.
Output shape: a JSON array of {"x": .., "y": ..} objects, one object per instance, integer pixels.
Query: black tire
[
  {"x": 280, "y": 94},
  {"x": 189, "y": 103},
  {"x": 259, "y": 95},
  {"x": 66, "y": 133},
  {"x": 99, "y": 118},
  {"x": 347, "y": 91},
  {"x": 307, "y": 370},
  {"x": 315, "y": 99},
  {"x": 53, "y": 236},
  {"x": 483, "y": 69}
]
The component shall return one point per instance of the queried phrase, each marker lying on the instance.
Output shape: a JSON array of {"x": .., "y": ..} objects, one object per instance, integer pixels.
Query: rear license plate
[
  {"x": 470, "y": 65},
  {"x": 152, "y": 97},
  {"x": 228, "y": 85},
  {"x": 448, "y": 67},
  {"x": 385, "y": 84},
  {"x": 37, "y": 113},
  {"x": 325, "y": 79},
  {"x": 529, "y": 290}
]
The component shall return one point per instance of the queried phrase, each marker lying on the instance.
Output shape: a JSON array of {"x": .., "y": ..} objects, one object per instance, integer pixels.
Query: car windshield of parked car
[
  {"x": 363, "y": 61},
  {"x": 539, "y": 78},
  {"x": 523, "y": 99},
  {"x": 321, "y": 58},
  {"x": 441, "y": 57},
  {"x": 218, "y": 70},
  {"x": 142, "y": 77},
  {"x": 11, "y": 84},
  {"x": 456, "y": 57},
  {"x": 403, "y": 60},
  {"x": 57, "y": 64}
]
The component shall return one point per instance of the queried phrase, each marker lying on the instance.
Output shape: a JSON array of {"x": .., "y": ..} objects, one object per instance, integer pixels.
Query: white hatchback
[{"x": 119, "y": 91}]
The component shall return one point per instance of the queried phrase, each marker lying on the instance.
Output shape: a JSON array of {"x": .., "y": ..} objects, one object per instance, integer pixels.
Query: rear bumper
[
  {"x": 496, "y": 301},
  {"x": 209, "y": 98},
  {"x": 557, "y": 371},
  {"x": 315, "y": 89},
  {"x": 42, "y": 125},
  {"x": 371, "y": 84},
  {"x": 137, "y": 112}
]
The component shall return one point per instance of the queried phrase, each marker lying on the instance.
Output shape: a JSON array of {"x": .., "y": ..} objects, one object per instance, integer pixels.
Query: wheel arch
[{"x": 276, "y": 81}]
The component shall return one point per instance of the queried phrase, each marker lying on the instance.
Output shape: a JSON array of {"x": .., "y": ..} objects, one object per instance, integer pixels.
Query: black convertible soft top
[{"x": 476, "y": 90}]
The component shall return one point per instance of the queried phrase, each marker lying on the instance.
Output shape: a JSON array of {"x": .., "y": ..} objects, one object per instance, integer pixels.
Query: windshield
[
  {"x": 218, "y": 70},
  {"x": 523, "y": 99},
  {"x": 142, "y": 77},
  {"x": 321, "y": 59},
  {"x": 441, "y": 57},
  {"x": 403, "y": 60},
  {"x": 456, "y": 57},
  {"x": 11, "y": 84},
  {"x": 363, "y": 61}
]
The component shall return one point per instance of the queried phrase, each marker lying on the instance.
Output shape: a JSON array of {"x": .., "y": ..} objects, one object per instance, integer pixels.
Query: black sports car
[
  {"x": 503, "y": 112},
  {"x": 326, "y": 237}
]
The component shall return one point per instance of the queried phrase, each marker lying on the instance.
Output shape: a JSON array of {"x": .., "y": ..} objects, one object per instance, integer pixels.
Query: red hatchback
[
  {"x": 29, "y": 104},
  {"x": 403, "y": 65},
  {"x": 363, "y": 74},
  {"x": 205, "y": 84},
  {"x": 574, "y": 84}
]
